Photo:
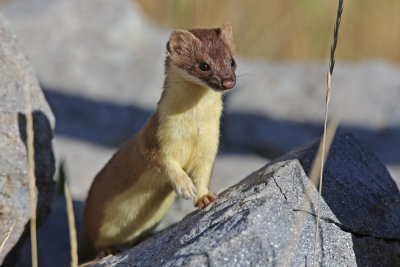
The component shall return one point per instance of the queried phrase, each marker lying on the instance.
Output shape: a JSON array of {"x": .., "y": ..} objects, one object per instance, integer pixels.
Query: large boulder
[
  {"x": 17, "y": 74},
  {"x": 253, "y": 222}
]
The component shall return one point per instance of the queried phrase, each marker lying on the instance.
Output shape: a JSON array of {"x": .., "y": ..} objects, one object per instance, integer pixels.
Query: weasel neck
[{"x": 181, "y": 95}]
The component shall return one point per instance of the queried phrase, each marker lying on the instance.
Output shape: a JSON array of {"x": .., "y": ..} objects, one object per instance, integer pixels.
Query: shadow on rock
[
  {"x": 44, "y": 159},
  {"x": 44, "y": 171},
  {"x": 362, "y": 195}
]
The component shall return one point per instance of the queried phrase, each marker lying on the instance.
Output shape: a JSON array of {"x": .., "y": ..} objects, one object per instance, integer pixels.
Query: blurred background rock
[{"x": 100, "y": 63}]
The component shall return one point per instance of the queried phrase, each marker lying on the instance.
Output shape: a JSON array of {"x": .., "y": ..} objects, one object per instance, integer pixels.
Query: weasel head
[{"x": 205, "y": 56}]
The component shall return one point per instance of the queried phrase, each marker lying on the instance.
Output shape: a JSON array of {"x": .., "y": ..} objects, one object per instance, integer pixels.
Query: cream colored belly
[{"x": 136, "y": 210}]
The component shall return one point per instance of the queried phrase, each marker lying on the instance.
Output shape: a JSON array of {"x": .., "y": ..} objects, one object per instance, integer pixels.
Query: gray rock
[
  {"x": 252, "y": 223},
  {"x": 16, "y": 73}
]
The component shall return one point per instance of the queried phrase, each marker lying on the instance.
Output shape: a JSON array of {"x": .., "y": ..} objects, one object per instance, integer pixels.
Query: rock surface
[
  {"x": 17, "y": 73},
  {"x": 251, "y": 223}
]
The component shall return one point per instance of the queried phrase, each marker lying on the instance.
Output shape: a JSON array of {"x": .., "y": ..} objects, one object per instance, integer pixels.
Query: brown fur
[
  {"x": 140, "y": 149},
  {"x": 187, "y": 49}
]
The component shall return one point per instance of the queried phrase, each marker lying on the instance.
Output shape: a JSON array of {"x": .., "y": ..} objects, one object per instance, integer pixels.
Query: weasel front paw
[
  {"x": 107, "y": 252},
  {"x": 184, "y": 188},
  {"x": 205, "y": 200}
]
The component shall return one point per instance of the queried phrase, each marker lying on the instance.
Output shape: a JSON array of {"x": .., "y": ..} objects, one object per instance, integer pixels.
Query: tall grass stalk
[
  {"x": 327, "y": 100},
  {"x": 71, "y": 226},
  {"x": 31, "y": 171}
]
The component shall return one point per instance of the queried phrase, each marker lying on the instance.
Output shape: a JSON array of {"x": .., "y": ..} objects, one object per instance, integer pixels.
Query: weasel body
[{"x": 174, "y": 153}]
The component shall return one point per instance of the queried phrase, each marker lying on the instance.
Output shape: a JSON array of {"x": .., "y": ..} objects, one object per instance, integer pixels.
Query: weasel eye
[
  {"x": 233, "y": 63},
  {"x": 204, "y": 66}
]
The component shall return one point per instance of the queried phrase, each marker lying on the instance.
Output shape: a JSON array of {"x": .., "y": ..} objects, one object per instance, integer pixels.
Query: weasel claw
[{"x": 205, "y": 200}]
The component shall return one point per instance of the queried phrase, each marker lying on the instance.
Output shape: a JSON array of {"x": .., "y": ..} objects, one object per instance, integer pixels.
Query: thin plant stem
[
  {"x": 71, "y": 225},
  {"x": 327, "y": 100},
  {"x": 31, "y": 172}
]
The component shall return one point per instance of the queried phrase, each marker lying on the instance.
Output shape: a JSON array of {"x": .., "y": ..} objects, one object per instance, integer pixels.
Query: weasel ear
[
  {"x": 227, "y": 35},
  {"x": 180, "y": 45}
]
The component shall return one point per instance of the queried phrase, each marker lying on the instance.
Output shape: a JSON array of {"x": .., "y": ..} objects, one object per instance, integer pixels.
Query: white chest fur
[{"x": 189, "y": 119}]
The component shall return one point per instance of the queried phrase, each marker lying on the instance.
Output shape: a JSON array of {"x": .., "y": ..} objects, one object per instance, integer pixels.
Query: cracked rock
[
  {"x": 16, "y": 75},
  {"x": 261, "y": 221}
]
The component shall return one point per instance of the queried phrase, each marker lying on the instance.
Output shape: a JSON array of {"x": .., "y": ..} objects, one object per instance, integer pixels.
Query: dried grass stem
[{"x": 327, "y": 100}]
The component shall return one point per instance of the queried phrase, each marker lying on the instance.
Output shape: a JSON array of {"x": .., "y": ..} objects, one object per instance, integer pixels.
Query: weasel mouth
[
  {"x": 224, "y": 85},
  {"x": 219, "y": 89}
]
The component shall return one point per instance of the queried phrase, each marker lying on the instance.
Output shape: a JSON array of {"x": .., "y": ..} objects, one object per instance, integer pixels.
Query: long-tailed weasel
[{"x": 174, "y": 153}]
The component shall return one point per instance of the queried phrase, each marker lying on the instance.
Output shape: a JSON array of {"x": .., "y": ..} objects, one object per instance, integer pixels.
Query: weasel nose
[{"x": 228, "y": 84}]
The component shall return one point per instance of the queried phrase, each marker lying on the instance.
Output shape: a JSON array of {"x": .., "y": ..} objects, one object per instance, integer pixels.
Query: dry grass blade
[
  {"x": 328, "y": 94},
  {"x": 31, "y": 171},
  {"x": 71, "y": 225},
  {"x": 7, "y": 237},
  {"x": 313, "y": 175},
  {"x": 335, "y": 36}
]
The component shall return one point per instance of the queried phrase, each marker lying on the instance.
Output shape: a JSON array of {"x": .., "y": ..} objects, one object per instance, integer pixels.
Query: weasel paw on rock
[
  {"x": 184, "y": 188},
  {"x": 205, "y": 200},
  {"x": 105, "y": 252}
]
